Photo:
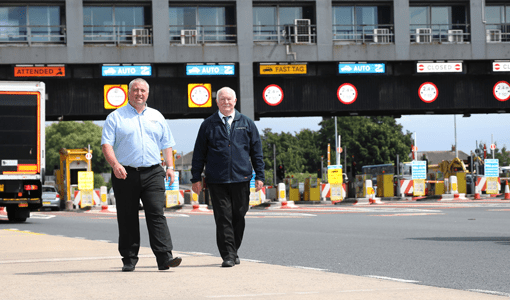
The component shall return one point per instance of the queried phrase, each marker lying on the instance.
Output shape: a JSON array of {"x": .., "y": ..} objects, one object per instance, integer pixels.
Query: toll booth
[
  {"x": 385, "y": 185},
  {"x": 312, "y": 191},
  {"x": 71, "y": 162},
  {"x": 461, "y": 182},
  {"x": 360, "y": 185},
  {"x": 294, "y": 190}
]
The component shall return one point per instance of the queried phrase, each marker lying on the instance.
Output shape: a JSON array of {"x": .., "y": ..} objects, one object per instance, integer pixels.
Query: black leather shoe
[
  {"x": 128, "y": 268},
  {"x": 173, "y": 263},
  {"x": 237, "y": 261},
  {"x": 228, "y": 263}
]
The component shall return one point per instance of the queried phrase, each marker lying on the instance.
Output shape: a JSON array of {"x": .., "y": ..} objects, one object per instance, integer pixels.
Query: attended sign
[{"x": 40, "y": 71}]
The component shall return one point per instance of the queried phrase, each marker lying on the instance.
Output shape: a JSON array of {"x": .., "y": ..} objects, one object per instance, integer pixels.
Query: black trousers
[
  {"x": 149, "y": 186},
  {"x": 230, "y": 204}
]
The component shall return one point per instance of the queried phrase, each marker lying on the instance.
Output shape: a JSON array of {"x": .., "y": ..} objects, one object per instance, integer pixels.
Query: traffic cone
[
  {"x": 507, "y": 192},
  {"x": 477, "y": 193}
]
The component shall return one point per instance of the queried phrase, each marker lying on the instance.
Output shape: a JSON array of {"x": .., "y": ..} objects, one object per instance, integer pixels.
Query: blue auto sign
[
  {"x": 127, "y": 70},
  {"x": 491, "y": 167},
  {"x": 210, "y": 70},
  {"x": 419, "y": 169},
  {"x": 354, "y": 68}
]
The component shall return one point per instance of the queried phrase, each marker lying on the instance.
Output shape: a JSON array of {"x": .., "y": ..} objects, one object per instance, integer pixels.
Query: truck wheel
[{"x": 18, "y": 214}]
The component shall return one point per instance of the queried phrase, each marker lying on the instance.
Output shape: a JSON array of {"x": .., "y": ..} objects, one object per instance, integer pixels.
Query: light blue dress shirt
[{"x": 137, "y": 139}]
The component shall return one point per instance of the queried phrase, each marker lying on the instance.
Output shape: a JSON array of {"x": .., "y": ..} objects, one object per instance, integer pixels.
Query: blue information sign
[
  {"x": 379, "y": 68},
  {"x": 419, "y": 169},
  {"x": 127, "y": 70},
  {"x": 210, "y": 70},
  {"x": 491, "y": 168}
]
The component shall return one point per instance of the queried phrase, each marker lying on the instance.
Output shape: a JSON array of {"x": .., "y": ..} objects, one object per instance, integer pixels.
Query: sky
[{"x": 433, "y": 132}]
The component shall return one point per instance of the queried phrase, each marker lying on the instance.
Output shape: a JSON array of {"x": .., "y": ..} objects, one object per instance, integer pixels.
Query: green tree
[
  {"x": 367, "y": 140},
  {"x": 74, "y": 135}
]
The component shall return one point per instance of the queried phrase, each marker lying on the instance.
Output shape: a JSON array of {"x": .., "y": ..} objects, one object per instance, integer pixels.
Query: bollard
[
  {"x": 477, "y": 193},
  {"x": 507, "y": 192},
  {"x": 281, "y": 192},
  {"x": 104, "y": 203}
]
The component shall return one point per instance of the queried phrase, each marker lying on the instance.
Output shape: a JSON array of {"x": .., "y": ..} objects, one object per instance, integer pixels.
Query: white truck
[{"x": 22, "y": 147}]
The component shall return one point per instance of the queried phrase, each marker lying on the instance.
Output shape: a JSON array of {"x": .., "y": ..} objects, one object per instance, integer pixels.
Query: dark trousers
[
  {"x": 149, "y": 186},
  {"x": 230, "y": 204}
]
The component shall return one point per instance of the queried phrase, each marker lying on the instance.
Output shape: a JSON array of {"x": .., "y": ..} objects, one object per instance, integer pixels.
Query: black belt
[{"x": 139, "y": 169}]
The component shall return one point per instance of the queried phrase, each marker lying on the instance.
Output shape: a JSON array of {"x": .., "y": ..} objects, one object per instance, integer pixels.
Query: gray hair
[
  {"x": 225, "y": 89},
  {"x": 138, "y": 80}
]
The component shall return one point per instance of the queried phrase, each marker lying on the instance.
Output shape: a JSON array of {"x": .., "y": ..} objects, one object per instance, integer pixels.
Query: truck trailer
[{"x": 22, "y": 147}]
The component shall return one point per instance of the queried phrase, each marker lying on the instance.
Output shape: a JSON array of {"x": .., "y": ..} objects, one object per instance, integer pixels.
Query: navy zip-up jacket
[{"x": 227, "y": 160}]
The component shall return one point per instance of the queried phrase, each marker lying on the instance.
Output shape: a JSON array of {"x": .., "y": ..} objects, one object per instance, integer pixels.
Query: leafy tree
[
  {"x": 367, "y": 140},
  {"x": 74, "y": 135}
]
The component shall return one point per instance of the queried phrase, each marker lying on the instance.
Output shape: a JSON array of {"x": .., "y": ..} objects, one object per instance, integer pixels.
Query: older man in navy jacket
[{"x": 229, "y": 145}]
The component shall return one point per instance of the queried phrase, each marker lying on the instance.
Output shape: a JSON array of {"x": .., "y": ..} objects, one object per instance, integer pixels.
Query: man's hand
[
  {"x": 119, "y": 171},
  {"x": 258, "y": 185},
  {"x": 197, "y": 187},
  {"x": 170, "y": 173}
]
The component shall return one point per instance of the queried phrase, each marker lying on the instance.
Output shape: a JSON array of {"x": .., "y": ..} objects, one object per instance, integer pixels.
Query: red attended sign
[{"x": 39, "y": 71}]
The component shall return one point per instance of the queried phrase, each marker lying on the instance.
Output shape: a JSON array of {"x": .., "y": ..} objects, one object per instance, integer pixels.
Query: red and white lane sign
[
  {"x": 501, "y": 91},
  {"x": 347, "y": 93},
  {"x": 428, "y": 92},
  {"x": 273, "y": 94}
]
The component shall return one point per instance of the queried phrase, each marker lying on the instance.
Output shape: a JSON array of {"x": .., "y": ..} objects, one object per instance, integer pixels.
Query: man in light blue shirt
[{"x": 133, "y": 136}]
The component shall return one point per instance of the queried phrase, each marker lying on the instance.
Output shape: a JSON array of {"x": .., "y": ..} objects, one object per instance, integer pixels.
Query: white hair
[
  {"x": 138, "y": 80},
  {"x": 225, "y": 89}
]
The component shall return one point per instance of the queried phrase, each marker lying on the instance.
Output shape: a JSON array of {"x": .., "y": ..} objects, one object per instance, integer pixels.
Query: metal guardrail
[
  {"x": 33, "y": 34},
  {"x": 202, "y": 34},
  {"x": 440, "y": 33},
  {"x": 117, "y": 34},
  {"x": 368, "y": 33},
  {"x": 290, "y": 33}
]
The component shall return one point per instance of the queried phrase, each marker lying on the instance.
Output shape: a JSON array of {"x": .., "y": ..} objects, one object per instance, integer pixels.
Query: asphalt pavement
[{"x": 40, "y": 266}]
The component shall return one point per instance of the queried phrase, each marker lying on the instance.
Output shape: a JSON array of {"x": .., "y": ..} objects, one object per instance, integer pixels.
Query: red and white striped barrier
[
  {"x": 326, "y": 191},
  {"x": 96, "y": 198},
  {"x": 481, "y": 184},
  {"x": 406, "y": 187}
]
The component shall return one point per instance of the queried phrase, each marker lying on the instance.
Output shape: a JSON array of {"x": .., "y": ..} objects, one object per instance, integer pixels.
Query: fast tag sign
[{"x": 446, "y": 67}]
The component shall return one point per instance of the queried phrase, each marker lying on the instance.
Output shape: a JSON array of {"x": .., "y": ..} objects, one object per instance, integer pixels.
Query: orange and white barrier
[
  {"x": 481, "y": 183},
  {"x": 406, "y": 187},
  {"x": 326, "y": 191},
  {"x": 96, "y": 198}
]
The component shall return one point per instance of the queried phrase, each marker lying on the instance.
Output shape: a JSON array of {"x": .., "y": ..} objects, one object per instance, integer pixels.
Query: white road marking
[
  {"x": 491, "y": 292},
  {"x": 392, "y": 279},
  {"x": 308, "y": 268}
]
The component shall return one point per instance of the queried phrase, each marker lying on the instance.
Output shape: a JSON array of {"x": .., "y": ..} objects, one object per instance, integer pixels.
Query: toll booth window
[
  {"x": 117, "y": 24},
  {"x": 438, "y": 23},
  {"x": 202, "y": 24},
  {"x": 497, "y": 19},
  {"x": 32, "y": 24},
  {"x": 284, "y": 23},
  {"x": 353, "y": 23}
]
